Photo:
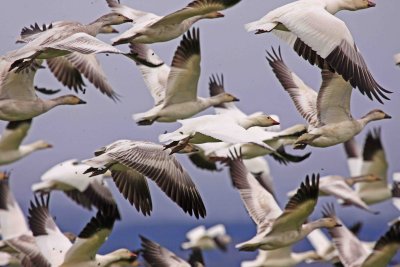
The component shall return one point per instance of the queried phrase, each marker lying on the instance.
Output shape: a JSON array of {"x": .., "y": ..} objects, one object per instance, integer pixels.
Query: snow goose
[
  {"x": 281, "y": 257},
  {"x": 129, "y": 163},
  {"x": 11, "y": 149},
  {"x": 338, "y": 187},
  {"x": 15, "y": 232},
  {"x": 276, "y": 228},
  {"x": 313, "y": 31},
  {"x": 176, "y": 96},
  {"x": 327, "y": 112},
  {"x": 65, "y": 39},
  {"x": 68, "y": 177},
  {"x": 18, "y": 99},
  {"x": 70, "y": 68},
  {"x": 207, "y": 239},
  {"x": 216, "y": 86},
  {"x": 59, "y": 251},
  {"x": 373, "y": 161},
  {"x": 276, "y": 140},
  {"x": 352, "y": 252},
  {"x": 150, "y": 28},
  {"x": 209, "y": 128},
  {"x": 156, "y": 255}
]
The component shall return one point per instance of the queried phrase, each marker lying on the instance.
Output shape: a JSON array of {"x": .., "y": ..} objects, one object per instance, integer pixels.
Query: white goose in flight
[
  {"x": 68, "y": 177},
  {"x": 276, "y": 228},
  {"x": 149, "y": 28},
  {"x": 57, "y": 250},
  {"x": 131, "y": 161},
  {"x": 11, "y": 138},
  {"x": 214, "y": 237},
  {"x": 63, "y": 40},
  {"x": 18, "y": 99},
  {"x": 175, "y": 89},
  {"x": 372, "y": 161},
  {"x": 353, "y": 252},
  {"x": 312, "y": 30},
  {"x": 328, "y": 111},
  {"x": 70, "y": 68}
]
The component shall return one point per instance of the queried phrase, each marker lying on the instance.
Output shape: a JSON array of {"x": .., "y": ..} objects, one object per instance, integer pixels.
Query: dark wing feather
[
  {"x": 66, "y": 73},
  {"x": 201, "y": 161},
  {"x": 372, "y": 144},
  {"x": 156, "y": 255},
  {"x": 133, "y": 186}
]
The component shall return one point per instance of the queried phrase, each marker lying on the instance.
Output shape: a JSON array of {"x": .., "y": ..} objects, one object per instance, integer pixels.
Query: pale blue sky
[{"x": 226, "y": 48}]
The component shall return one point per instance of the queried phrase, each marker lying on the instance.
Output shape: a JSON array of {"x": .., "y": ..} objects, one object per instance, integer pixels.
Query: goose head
[
  {"x": 358, "y": 4},
  {"x": 263, "y": 120},
  {"x": 69, "y": 100},
  {"x": 124, "y": 254},
  {"x": 213, "y": 15},
  {"x": 108, "y": 29},
  {"x": 113, "y": 19},
  {"x": 38, "y": 145},
  {"x": 375, "y": 115},
  {"x": 329, "y": 222},
  {"x": 225, "y": 98}
]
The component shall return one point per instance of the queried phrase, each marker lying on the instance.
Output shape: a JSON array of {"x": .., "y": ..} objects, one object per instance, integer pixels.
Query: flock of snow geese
[{"x": 229, "y": 138}]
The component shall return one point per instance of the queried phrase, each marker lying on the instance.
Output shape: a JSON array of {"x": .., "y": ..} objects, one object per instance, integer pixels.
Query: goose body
[
  {"x": 69, "y": 177},
  {"x": 150, "y": 28},
  {"x": 353, "y": 253},
  {"x": 275, "y": 140},
  {"x": 201, "y": 238},
  {"x": 11, "y": 149},
  {"x": 281, "y": 257},
  {"x": 371, "y": 161},
  {"x": 327, "y": 112},
  {"x": 175, "y": 89},
  {"x": 69, "y": 69},
  {"x": 18, "y": 99},
  {"x": 313, "y": 31},
  {"x": 276, "y": 228},
  {"x": 59, "y": 251},
  {"x": 131, "y": 161},
  {"x": 65, "y": 39}
]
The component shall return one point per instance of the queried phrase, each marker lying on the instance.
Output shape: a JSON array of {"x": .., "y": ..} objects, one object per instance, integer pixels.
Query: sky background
[{"x": 77, "y": 131}]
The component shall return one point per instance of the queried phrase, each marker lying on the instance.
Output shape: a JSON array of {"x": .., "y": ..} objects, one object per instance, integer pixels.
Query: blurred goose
[
  {"x": 150, "y": 28},
  {"x": 373, "y": 161},
  {"x": 18, "y": 99},
  {"x": 11, "y": 149},
  {"x": 207, "y": 239},
  {"x": 210, "y": 128},
  {"x": 70, "y": 68},
  {"x": 59, "y": 251},
  {"x": 352, "y": 252},
  {"x": 131, "y": 161},
  {"x": 86, "y": 191},
  {"x": 340, "y": 188},
  {"x": 65, "y": 39},
  {"x": 397, "y": 59},
  {"x": 176, "y": 96},
  {"x": 276, "y": 140},
  {"x": 313, "y": 31},
  {"x": 216, "y": 86},
  {"x": 327, "y": 112},
  {"x": 15, "y": 233},
  {"x": 281, "y": 257},
  {"x": 156, "y": 255},
  {"x": 276, "y": 228}
]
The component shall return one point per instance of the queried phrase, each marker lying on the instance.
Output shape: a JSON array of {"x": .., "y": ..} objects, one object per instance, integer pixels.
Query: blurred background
[{"x": 226, "y": 49}]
